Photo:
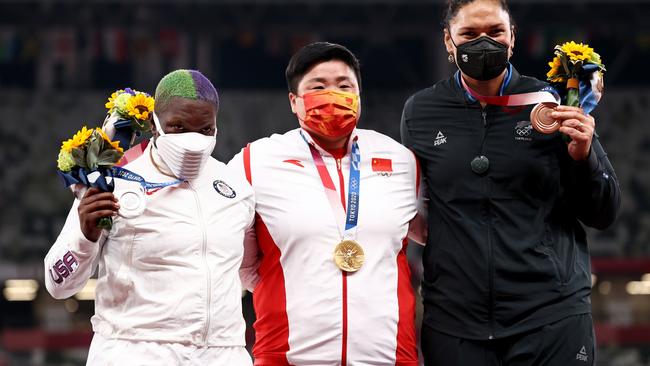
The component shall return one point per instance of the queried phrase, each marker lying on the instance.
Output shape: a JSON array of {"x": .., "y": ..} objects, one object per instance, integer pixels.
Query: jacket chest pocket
[
  {"x": 166, "y": 242},
  {"x": 530, "y": 170}
]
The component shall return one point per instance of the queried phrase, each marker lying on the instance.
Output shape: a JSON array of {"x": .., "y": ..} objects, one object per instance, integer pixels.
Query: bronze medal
[
  {"x": 540, "y": 118},
  {"x": 348, "y": 256}
]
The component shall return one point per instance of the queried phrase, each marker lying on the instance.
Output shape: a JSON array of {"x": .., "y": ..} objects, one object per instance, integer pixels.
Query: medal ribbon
[
  {"x": 119, "y": 172},
  {"x": 514, "y": 99},
  {"x": 354, "y": 190}
]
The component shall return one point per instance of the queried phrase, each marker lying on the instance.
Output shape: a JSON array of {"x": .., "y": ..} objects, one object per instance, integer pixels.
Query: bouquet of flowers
[
  {"x": 129, "y": 115},
  {"x": 576, "y": 73},
  {"x": 86, "y": 160}
]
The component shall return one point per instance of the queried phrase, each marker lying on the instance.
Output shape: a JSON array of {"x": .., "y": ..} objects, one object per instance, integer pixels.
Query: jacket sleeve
[
  {"x": 236, "y": 165},
  {"x": 251, "y": 261},
  {"x": 592, "y": 188},
  {"x": 72, "y": 259},
  {"x": 418, "y": 228},
  {"x": 405, "y": 133}
]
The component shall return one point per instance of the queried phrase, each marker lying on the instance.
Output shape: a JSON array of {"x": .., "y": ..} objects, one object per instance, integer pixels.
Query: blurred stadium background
[{"x": 59, "y": 61}]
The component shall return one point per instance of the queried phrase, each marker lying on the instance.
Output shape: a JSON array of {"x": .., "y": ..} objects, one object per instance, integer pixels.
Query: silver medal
[{"x": 132, "y": 202}]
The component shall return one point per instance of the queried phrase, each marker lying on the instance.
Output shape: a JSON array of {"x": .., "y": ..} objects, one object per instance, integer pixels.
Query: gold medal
[{"x": 348, "y": 256}]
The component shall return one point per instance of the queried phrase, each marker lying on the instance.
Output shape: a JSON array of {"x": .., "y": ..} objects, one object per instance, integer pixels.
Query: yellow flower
[
  {"x": 114, "y": 144},
  {"x": 555, "y": 67},
  {"x": 111, "y": 100},
  {"x": 551, "y": 73},
  {"x": 65, "y": 162},
  {"x": 556, "y": 63},
  {"x": 577, "y": 51},
  {"x": 140, "y": 106},
  {"x": 554, "y": 74},
  {"x": 77, "y": 140}
]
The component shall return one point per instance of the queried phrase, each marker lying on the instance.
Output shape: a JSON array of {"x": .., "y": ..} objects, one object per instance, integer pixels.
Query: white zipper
[{"x": 208, "y": 278}]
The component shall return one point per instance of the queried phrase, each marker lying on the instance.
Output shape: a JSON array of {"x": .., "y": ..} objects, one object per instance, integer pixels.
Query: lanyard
[
  {"x": 354, "y": 190},
  {"x": 512, "y": 100},
  {"x": 126, "y": 174}
]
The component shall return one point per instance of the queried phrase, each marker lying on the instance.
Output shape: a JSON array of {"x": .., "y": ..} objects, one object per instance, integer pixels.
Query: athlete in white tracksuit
[
  {"x": 168, "y": 290},
  {"x": 167, "y": 280}
]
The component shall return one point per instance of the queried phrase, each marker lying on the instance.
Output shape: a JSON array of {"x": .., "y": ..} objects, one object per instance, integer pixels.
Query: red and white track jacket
[
  {"x": 171, "y": 273},
  {"x": 309, "y": 312}
]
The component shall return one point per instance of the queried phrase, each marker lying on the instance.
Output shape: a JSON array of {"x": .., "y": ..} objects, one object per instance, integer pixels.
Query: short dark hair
[
  {"x": 453, "y": 6},
  {"x": 315, "y": 53}
]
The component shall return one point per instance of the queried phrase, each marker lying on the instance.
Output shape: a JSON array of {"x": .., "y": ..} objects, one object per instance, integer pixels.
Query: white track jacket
[
  {"x": 308, "y": 311},
  {"x": 171, "y": 273}
]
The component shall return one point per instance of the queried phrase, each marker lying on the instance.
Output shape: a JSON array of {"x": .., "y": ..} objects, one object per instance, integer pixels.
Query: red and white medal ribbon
[{"x": 540, "y": 116}]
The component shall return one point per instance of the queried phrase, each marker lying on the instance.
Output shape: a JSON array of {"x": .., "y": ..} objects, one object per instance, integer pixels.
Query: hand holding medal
[
  {"x": 577, "y": 74},
  {"x": 542, "y": 111}
]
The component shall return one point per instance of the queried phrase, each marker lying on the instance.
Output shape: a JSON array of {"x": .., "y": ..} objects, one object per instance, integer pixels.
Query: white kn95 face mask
[{"x": 184, "y": 153}]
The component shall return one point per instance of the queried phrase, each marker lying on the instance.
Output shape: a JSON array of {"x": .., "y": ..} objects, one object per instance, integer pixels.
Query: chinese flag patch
[{"x": 382, "y": 165}]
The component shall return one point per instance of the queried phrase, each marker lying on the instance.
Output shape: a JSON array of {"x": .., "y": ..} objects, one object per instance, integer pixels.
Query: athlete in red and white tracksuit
[{"x": 309, "y": 312}]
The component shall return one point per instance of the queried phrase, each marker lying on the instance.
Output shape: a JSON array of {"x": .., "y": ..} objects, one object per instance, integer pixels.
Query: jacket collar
[
  {"x": 511, "y": 77},
  {"x": 354, "y": 136}
]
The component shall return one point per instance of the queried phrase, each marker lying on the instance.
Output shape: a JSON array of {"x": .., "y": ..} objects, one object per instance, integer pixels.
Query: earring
[{"x": 450, "y": 58}]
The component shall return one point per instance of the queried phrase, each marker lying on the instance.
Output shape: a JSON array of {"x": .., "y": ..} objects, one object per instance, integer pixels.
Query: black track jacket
[{"x": 506, "y": 251}]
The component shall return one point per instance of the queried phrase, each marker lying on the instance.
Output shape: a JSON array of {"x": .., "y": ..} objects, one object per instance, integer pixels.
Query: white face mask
[{"x": 184, "y": 153}]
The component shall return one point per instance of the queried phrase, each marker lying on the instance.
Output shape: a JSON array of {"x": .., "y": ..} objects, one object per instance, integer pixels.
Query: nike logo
[
  {"x": 149, "y": 192},
  {"x": 294, "y": 162}
]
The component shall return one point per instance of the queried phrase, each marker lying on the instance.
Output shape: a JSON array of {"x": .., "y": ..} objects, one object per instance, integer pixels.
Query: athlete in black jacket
[{"x": 507, "y": 277}]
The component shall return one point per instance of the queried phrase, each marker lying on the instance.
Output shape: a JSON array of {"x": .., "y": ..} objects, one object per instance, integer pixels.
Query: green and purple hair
[{"x": 189, "y": 84}]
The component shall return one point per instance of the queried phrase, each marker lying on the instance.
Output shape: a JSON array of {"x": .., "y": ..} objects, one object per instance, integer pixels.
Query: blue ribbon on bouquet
[
  {"x": 80, "y": 176},
  {"x": 588, "y": 98},
  {"x": 124, "y": 132}
]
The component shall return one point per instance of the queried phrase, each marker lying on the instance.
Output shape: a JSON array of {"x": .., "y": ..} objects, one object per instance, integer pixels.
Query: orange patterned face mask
[{"x": 331, "y": 113}]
